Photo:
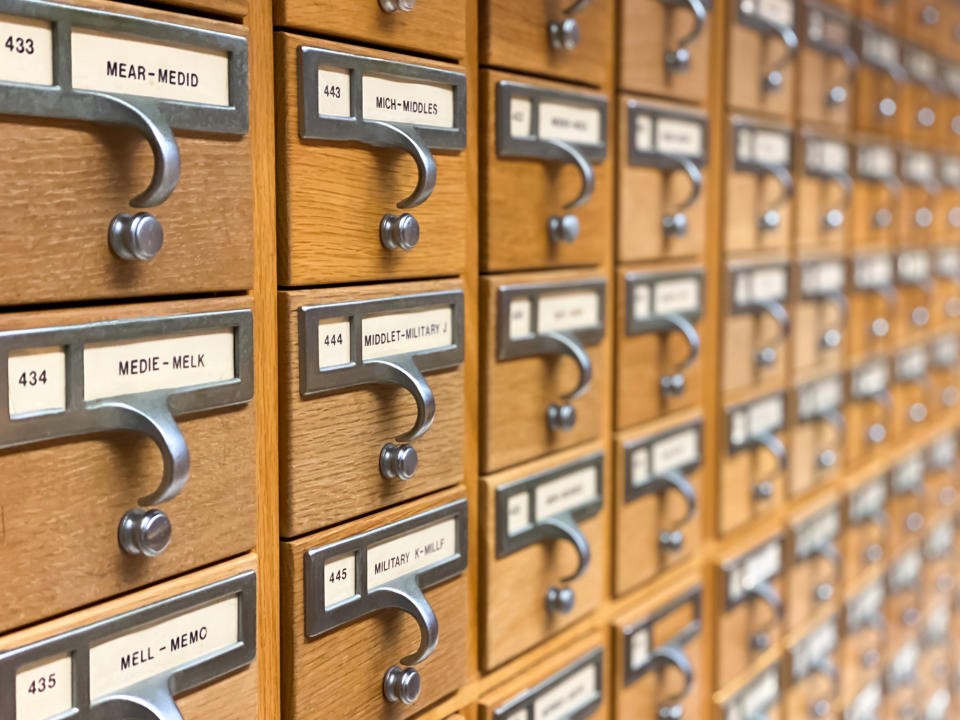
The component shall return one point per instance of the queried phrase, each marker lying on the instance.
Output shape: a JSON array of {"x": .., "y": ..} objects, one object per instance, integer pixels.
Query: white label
[
  {"x": 920, "y": 65},
  {"x": 914, "y": 266},
  {"x": 905, "y": 661},
  {"x": 867, "y": 501},
  {"x": 333, "y": 91},
  {"x": 406, "y": 101},
  {"x": 568, "y": 311},
  {"x": 948, "y": 262},
  {"x": 876, "y": 161},
  {"x": 778, "y": 12},
  {"x": 946, "y": 351},
  {"x": 814, "y": 648},
  {"x": 880, "y": 49},
  {"x": 521, "y": 323},
  {"x": 866, "y": 705},
  {"x": 679, "y": 450},
  {"x": 871, "y": 379},
  {"x": 45, "y": 689},
  {"x": 411, "y": 552},
  {"x": 950, "y": 170},
  {"x": 339, "y": 579},
  {"x": 760, "y": 567},
  {"x": 906, "y": 570},
  {"x": 680, "y": 296},
  {"x": 769, "y": 284},
  {"x": 908, "y": 474},
  {"x": 333, "y": 346},
  {"x": 873, "y": 271},
  {"x": 817, "y": 533},
  {"x": 111, "y": 64},
  {"x": 865, "y": 605},
  {"x": 565, "y": 493},
  {"x": 761, "y": 694},
  {"x": 918, "y": 166},
  {"x": 643, "y": 133},
  {"x": 518, "y": 513},
  {"x": 951, "y": 75},
  {"x": 521, "y": 121},
  {"x": 639, "y": 648},
  {"x": 26, "y": 46},
  {"x": 827, "y": 156},
  {"x": 767, "y": 147},
  {"x": 137, "y": 656},
  {"x": 407, "y": 332},
  {"x": 37, "y": 381},
  {"x": 578, "y": 124},
  {"x": 912, "y": 363},
  {"x": 940, "y": 540},
  {"x": 766, "y": 415},
  {"x": 679, "y": 137},
  {"x": 823, "y": 278},
  {"x": 567, "y": 696},
  {"x": 639, "y": 465},
  {"x": 642, "y": 302},
  {"x": 943, "y": 452},
  {"x": 818, "y": 397},
  {"x": 138, "y": 366}
]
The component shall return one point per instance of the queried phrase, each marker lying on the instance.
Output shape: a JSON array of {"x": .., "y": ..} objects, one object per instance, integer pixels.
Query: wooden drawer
[
  {"x": 182, "y": 649},
  {"x": 914, "y": 291},
  {"x": 817, "y": 433},
  {"x": 813, "y": 546},
  {"x": 533, "y": 400},
  {"x": 760, "y": 187},
  {"x": 903, "y": 608},
  {"x": 546, "y": 174},
  {"x": 873, "y": 303},
  {"x": 659, "y": 656},
  {"x": 944, "y": 354},
  {"x": 912, "y": 390},
  {"x": 756, "y": 325},
  {"x": 392, "y": 638},
  {"x": 659, "y": 366},
  {"x": 935, "y": 660},
  {"x": 922, "y": 21},
  {"x": 353, "y": 440},
  {"x": 921, "y": 122},
  {"x": 92, "y": 395},
  {"x": 759, "y": 696},
  {"x": 665, "y": 48},
  {"x": 137, "y": 183},
  {"x": 751, "y": 609},
  {"x": 827, "y": 65},
  {"x": 905, "y": 502},
  {"x": 946, "y": 204},
  {"x": 821, "y": 314},
  {"x": 657, "y": 496},
  {"x": 876, "y": 188},
  {"x": 880, "y": 80},
  {"x": 824, "y": 191},
  {"x": 813, "y": 672},
  {"x": 901, "y": 681},
  {"x": 346, "y": 212},
  {"x": 864, "y": 635},
  {"x": 571, "y": 683},
  {"x": 662, "y": 208},
  {"x": 945, "y": 311},
  {"x": 753, "y": 462},
  {"x": 867, "y": 523},
  {"x": 869, "y": 409},
  {"x": 428, "y": 27},
  {"x": 544, "y": 547},
  {"x": 762, "y": 64},
  {"x": 939, "y": 558},
  {"x": 918, "y": 199},
  {"x": 865, "y": 702},
  {"x": 573, "y": 41},
  {"x": 940, "y": 488}
]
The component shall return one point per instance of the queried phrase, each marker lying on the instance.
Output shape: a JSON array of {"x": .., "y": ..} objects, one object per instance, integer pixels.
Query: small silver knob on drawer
[
  {"x": 678, "y": 60},
  {"x": 560, "y": 600},
  {"x": 837, "y": 95},
  {"x": 394, "y": 5},
  {"x": 763, "y": 490},
  {"x": 671, "y": 539},
  {"x": 399, "y": 232},
  {"x": 675, "y": 224},
  {"x": 564, "y": 35},
  {"x": 561, "y": 417},
  {"x": 135, "y": 237},
  {"x": 564, "y": 228},
  {"x": 766, "y": 357},
  {"x": 398, "y": 461},
  {"x": 760, "y": 641},
  {"x": 770, "y": 220},
  {"x": 401, "y": 684},
  {"x": 144, "y": 532},
  {"x": 882, "y": 218},
  {"x": 673, "y": 384}
]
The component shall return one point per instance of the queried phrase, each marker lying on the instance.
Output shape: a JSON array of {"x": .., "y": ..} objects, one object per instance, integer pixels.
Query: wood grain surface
[
  {"x": 872, "y": 86},
  {"x": 868, "y": 199},
  {"x": 748, "y": 196},
  {"x": 810, "y": 319},
  {"x": 752, "y": 55},
  {"x": 815, "y": 197},
  {"x": 805, "y": 576},
  {"x": 817, "y": 74}
]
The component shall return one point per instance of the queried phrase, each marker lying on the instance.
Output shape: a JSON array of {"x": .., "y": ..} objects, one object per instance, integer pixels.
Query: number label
[{"x": 19, "y": 45}]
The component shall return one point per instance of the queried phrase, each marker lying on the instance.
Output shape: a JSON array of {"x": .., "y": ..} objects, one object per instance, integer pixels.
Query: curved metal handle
[
  {"x": 839, "y": 301},
  {"x": 845, "y": 181},
  {"x": 839, "y": 422},
  {"x": 408, "y": 376},
  {"x": 776, "y": 448},
  {"x": 696, "y": 180},
  {"x": 384, "y": 134},
  {"x": 885, "y": 401},
  {"x": 564, "y": 527},
  {"x": 586, "y": 171},
  {"x": 785, "y": 179},
  {"x": 852, "y": 61},
  {"x": 773, "y": 78},
  {"x": 152, "y": 701},
  {"x": 779, "y": 313},
  {"x": 766, "y": 592},
  {"x": 672, "y": 655},
  {"x": 559, "y": 343},
  {"x": 829, "y": 552},
  {"x": 678, "y": 59},
  {"x": 578, "y": 6},
  {"x": 405, "y": 595},
  {"x": 678, "y": 481},
  {"x": 690, "y": 334},
  {"x": 166, "y": 153},
  {"x": 825, "y": 667}
]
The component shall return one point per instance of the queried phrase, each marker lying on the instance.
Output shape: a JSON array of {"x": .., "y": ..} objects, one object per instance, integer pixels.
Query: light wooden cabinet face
[
  {"x": 940, "y": 487},
  {"x": 352, "y": 205},
  {"x": 824, "y": 192},
  {"x": 864, "y": 639},
  {"x": 944, "y": 354},
  {"x": 543, "y": 205},
  {"x": 659, "y": 656},
  {"x": 939, "y": 558},
  {"x": 912, "y": 391},
  {"x": 657, "y": 498},
  {"x": 921, "y": 122},
  {"x": 903, "y": 607},
  {"x": 135, "y": 415},
  {"x": 545, "y": 366},
  {"x": 814, "y": 573},
  {"x": 901, "y": 683},
  {"x": 827, "y": 63},
  {"x": 661, "y": 169},
  {"x": 542, "y": 38},
  {"x": 918, "y": 198},
  {"x": 905, "y": 503},
  {"x": 869, "y": 408},
  {"x": 867, "y": 525},
  {"x": 879, "y": 81},
  {"x": 665, "y": 49},
  {"x": 544, "y": 547},
  {"x": 762, "y": 62},
  {"x": 75, "y": 182},
  {"x": 431, "y": 28},
  {"x": 864, "y": 702},
  {"x": 922, "y": 21},
  {"x": 813, "y": 667},
  {"x": 380, "y": 596},
  {"x": 763, "y": 693},
  {"x": 820, "y": 315},
  {"x": 874, "y": 302},
  {"x": 817, "y": 433},
  {"x": 659, "y": 360},
  {"x": 876, "y": 188},
  {"x": 945, "y": 305},
  {"x": 351, "y": 357}
]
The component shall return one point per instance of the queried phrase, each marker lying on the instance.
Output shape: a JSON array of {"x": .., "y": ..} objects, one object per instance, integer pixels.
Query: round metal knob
[
  {"x": 873, "y": 553},
  {"x": 560, "y": 600},
  {"x": 398, "y": 461},
  {"x": 770, "y": 220},
  {"x": 876, "y": 433},
  {"x": 920, "y": 316},
  {"x": 870, "y": 658},
  {"x": 671, "y": 539},
  {"x": 135, "y": 237},
  {"x": 773, "y": 80},
  {"x": 823, "y": 592},
  {"x": 144, "y": 532},
  {"x": 760, "y": 641},
  {"x": 564, "y": 35},
  {"x": 926, "y": 117},
  {"x": 883, "y": 218},
  {"x": 887, "y": 107},
  {"x": 763, "y": 490},
  {"x": 399, "y": 232},
  {"x": 670, "y": 712},
  {"x": 767, "y": 357},
  {"x": 880, "y": 327},
  {"x": 837, "y": 95},
  {"x": 394, "y": 5},
  {"x": 833, "y": 219},
  {"x": 947, "y": 496},
  {"x": 930, "y": 15},
  {"x": 675, "y": 224},
  {"x": 827, "y": 458},
  {"x": 820, "y": 709},
  {"x": 401, "y": 684},
  {"x": 918, "y": 412},
  {"x": 564, "y": 228},
  {"x": 561, "y": 417},
  {"x": 914, "y": 522},
  {"x": 910, "y": 617},
  {"x": 677, "y": 60},
  {"x": 673, "y": 384},
  {"x": 923, "y": 217},
  {"x": 831, "y": 338}
]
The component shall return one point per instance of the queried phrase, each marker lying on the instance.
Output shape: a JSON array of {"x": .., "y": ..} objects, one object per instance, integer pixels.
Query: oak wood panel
[
  {"x": 868, "y": 199},
  {"x": 921, "y": 21},
  {"x": 747, "y": 196},
  {"x": 332, "y": 195},
  {"x": 735, "y": 628},
  {"x": 434, "y": 27},
  {"x": 58, "y": 546},
  {"x": 864, "y": 544},
  {"x": 513, "y": 610},
  {"x": 330, "y": 444},
  {"x": 911, "y": 324},
  {"x": 916, "y": 122},
  {"x": 814, "y": 199},
  {"x": 340, "y": 673},
  {"x": 866, "y": 308},
  {"x": 880, "y": 12},
  {"x": 817, "y": 74},
  {"x": 805, "y": 576},
  {"x": 231, "y": 8},
  {"x": 751, "y": 55},
  {"x": 515, "y": 35},
  {"x": 872, "y": 86},
  {"x": 907, "y": 523},
  {"x": 810, "y": 319},
  {"x": 738, "y": 473},
  {"x": 807, "y": 441},
  {"x": 861, "y": 415},
  {"x": 914, "y": 199},
  {"x": 744, "y": 335},
  {"x": 912, "y": 401}
]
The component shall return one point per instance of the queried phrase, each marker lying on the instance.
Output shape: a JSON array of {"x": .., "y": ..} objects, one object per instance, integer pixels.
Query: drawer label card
[
  {"x": 638, "y": 636},
  {"x": 568, "y": 311},
  {"x": 757, "y": 149},
  {"x": 822, "y": 278},
  {"x": 865, "y": 605},
  {"x": 573, "y": 692},
  {"x": 660, "y": 136},
  {"x": 873, "y": 272},
  {"x": 45, "y": 689},
  {"x": 816, "y": 533},
  {"x": 826, "y": 157},
  {"x": 333, "y": 92},
  {"x": 921, "y": 65},
  {"x": 750, "y": 421},
  {"x": 37, "y": 381},
  {"x": 907, "y": 475},
  {"x": 580, "y": 487},
  {"x": 913, "y": 267},
  {"x": 819, "y": 397},
  {"x": 947, "y": 262},
  {"x": 340, "y": 579},
  {"x": 905, "y": 570},
  {"x": 410, "y": 553},
  {"x": 880, "y": 49},
  {"x": 410, "y": 332},
  {"x": 942, "y": 453},
  {"x": 828, "y": 31},
  {"x": 918, "y": 167},
  {"x": 814, "y": 648},
  {"x": 747, "y": 572},
  {"x": 571, "y": 123},
  {"x": 868, "y": 501},
  {"x": 950, "y": 170},
  {"x": 755, "y": 699},
  {"x": 568, "y": 696},
  {"x": 650, "y": 458},
  {"x": 876, "y": 162},
  {"x": 866, "y": 705},
  {"x": 408, "y": 103},
  {"x": 911, "y": 364},
  {"x": 870, "y": 379},
  {"x": 26, "y": 46},
  {"x": 653, "y": 296},
  {"x": 122, "y": 66},
  {"x": 754, "y": 286}
]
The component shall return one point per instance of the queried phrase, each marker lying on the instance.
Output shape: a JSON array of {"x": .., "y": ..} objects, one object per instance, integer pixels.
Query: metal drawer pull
[
  {"x": 390, "y": 6},
  {"x": 832, "y": 337},
  {"x": 677, "y": 60},
  {"x": 676, "y": 382},
  {"x": 767, "y": 355},
  {"x": 587, "y": 176},
  {"x": 565, "y": 34},
  {"x": 675, "y": 222},
  {"x": 763, "y": 489},
  {"x": 773, "y": 79},
  {"x": 770, "y": 218},
  {"x": 838, "y": 94},
  {"x": 669, "y": 654}
]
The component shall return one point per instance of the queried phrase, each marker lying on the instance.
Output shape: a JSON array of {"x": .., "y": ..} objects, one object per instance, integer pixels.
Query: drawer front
[
  {"x": 814, "y": 574},
  {"x": 91, "y": 396},
  {"x": 665, "y": 48},
  {"x": 912, "y": 390},
  {"x": 864, "y": 702},
  {"x": 544, "y": 371},
  {"x": 907, "y": 480},
  {"x": 873, "y": 303},
  {"x": 876, "y": 187},
  {"x": 827, "y": 65},
  {"x": 902, "y": 680},
  {"x": 760, "y": 696},
  {"x": 660, "y": 321},
  {"x": 543, "y": 204},
  {"x": 352, "y": 358},
  {"x": 818, "y": 433},
  {"x": 430, "y": 27},
  {"x": 814, "y": 674},
  {"x": 186, "y": 648},
  {"x": 554, "y": 38},
  {"x": 824, "y": 192},
  {"x": 657, "y": 498},
  {"x": 349, "y": 121},
  {"x": 866, "y": 528},
  {"x": 917, "y": 200},
  {"x": 940, "y": 487},
  {"x": 139, "y": 218},
  {"x": 869, "y": 408},
  {"x": 945, "y": 304},
  {"x": 396, "y": 619},
  {"x": 864, "y": 643},
  {"x": 880, "y": 78},
  {"x": 661, "y": 170},
  {"x": 820, "y": 315},
  {"x": 903, "y": 607},
  {"x": 763, "y": 45},
  {"x": 914, "y": 290},
  {"x": 543, "y": 564},
  {"x": 939, "y": 559}
]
